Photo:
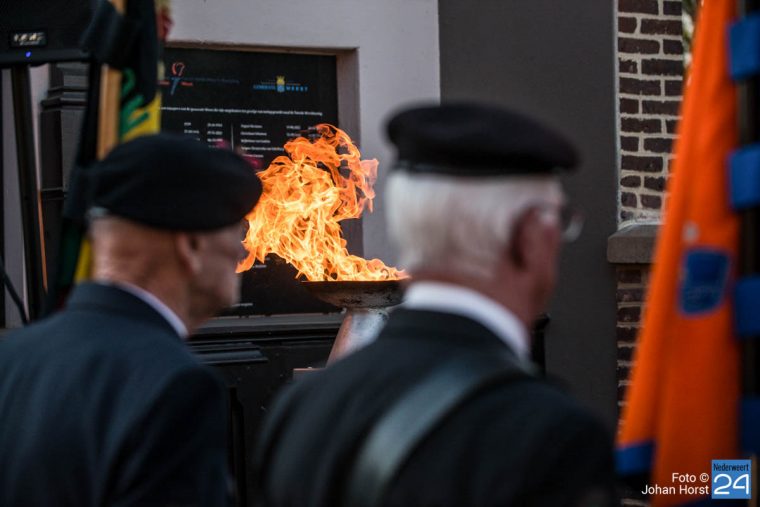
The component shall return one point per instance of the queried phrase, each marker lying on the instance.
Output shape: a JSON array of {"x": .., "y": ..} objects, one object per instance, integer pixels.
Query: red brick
[
  {"x": 671, "y": 8},
  {"x": 643, "y": 6},
  {"x": 629, "y": 143},
  {"x": 651, "y": 201},
  {"x": 629, "y": 314},
  {"x": 625, "y": 354},
  {"x": 628, "y": 66},
  {"x": 638, "y": 46},
  {"x": 629, "y": 106},
  {"x": 661, "y": 27},
  {"x": 673, "y": 87},
  {"x": 655, "y": 183},
  {"x": 626, "y": 215},
  {"x": 636, "y": 163},
  {"x": 636, "y": 125},
  {"x": 672, "y": 47},
  {"x": 630, "y": 295},
  {"x": 629, "y": 199},
  {"x": 658, "y": 145},
  {"x": 670, "y": 107},
  {"x": 639, "y": 86},
  {"x": 626, "y": 334},
  {"x": 626, "y": 25},
  {"x": 630, "y": 181},
  {"x": 629, "y": 275},
  {"x": 662, "y": 67}
]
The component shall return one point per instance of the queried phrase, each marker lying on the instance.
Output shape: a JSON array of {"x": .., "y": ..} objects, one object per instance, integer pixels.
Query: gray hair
[{"x": 459, "y": 224}]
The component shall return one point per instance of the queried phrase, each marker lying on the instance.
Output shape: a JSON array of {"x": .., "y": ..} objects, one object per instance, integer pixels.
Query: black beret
[
  {"x": 174, "y": 182},
  {"x": 466, "y": 139}
]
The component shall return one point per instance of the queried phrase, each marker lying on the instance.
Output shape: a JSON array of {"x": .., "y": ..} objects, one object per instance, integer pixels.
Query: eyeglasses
[{"x": 569, "y": 219}]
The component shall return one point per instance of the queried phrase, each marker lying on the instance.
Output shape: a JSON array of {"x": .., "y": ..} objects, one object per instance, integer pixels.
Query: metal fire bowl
[{"x": 357, "y": 294}]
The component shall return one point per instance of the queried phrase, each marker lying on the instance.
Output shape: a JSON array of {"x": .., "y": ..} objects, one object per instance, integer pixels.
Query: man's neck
[
  {"x": 166, "y": 294},
  {"x": 512, "y": 298},
  {"x": 456, "y": 299}
]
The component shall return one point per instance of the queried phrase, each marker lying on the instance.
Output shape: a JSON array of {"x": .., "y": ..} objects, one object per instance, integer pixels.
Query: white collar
[
  {"x": 445, "y": 297},
  {"x": 155, "y": 303}
]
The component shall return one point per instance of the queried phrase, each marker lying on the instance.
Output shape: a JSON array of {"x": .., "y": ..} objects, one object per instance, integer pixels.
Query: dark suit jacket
[
  {"x": 102, "y": 404},
  {"x": 523, "y": 443}
]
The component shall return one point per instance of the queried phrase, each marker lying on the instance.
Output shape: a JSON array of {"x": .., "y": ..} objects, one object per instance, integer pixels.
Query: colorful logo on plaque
[
  {"x": 280, "y": 85},
  {"x": 178, "y": 78}
]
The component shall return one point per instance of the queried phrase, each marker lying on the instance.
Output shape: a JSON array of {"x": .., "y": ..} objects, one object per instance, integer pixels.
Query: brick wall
[
  {"x": 650, "y": 80},
  {"x": 650, "y": 77},
  {"x": 632, "y": 280},
  {"x": 631, "y": 287}
]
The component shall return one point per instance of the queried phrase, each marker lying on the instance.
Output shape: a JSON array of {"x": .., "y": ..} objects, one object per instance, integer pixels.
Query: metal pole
[
  {"x": 2, "y": 204},
  {"x": 749, "y": 254},
  {"x": 31, "y": 211}
]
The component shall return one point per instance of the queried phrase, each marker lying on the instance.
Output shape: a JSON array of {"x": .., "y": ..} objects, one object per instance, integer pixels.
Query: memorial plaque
[{"x": 256, "y": 102}]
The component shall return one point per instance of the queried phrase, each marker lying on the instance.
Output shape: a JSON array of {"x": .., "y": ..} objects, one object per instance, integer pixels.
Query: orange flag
[{"x": 682, "y": 405}]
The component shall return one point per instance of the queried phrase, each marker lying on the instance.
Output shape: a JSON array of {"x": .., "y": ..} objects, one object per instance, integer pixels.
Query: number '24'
[{"x": 736, "y": 484}]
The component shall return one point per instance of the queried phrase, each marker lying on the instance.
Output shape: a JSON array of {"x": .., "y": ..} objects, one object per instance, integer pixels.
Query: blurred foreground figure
[
  {"x": 102, "y": 403},
  {"x": 478, "y": 215}
]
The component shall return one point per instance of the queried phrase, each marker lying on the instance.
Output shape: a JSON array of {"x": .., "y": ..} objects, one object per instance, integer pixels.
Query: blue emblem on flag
[{"x": 705, "y": 273}]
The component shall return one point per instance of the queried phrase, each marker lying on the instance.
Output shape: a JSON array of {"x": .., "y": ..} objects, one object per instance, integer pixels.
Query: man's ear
[
  {"x": 189, "y": 250},
  {"x": 526, "y": 238}
]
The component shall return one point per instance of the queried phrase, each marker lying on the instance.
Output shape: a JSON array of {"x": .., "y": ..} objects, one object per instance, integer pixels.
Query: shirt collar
[
  {"x": 155, "y": 303},
  {"x": 466, "y": 302}
]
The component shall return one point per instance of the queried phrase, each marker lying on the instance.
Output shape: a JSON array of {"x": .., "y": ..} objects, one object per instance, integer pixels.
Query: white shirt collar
[
  {"x": 154, "y": 303},
  {"x": 460, "y": 300}
]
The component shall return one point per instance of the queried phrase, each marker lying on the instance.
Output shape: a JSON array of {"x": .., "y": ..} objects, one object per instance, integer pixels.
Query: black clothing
[
  {"x": 523, "y": 443},
  {"x": 102, "y": 404}
]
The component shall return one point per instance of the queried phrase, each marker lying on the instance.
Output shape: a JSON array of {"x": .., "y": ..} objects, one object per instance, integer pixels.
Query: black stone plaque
[{"x": 256, "y": 102}]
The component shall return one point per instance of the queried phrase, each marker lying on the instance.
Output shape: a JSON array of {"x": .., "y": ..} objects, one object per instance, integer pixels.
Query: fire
[{"x": 306, "y": 195}]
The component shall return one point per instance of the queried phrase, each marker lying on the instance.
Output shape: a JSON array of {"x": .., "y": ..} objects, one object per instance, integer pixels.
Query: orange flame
[{"x": 305, "y": 197}]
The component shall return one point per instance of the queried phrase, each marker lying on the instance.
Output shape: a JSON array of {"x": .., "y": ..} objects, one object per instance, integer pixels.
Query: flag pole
[
  {"x": 108, "y": 136},
  {"x": 31, "y": 210},
  {"x": 110, "y": 98},
  {"x": 749, "y": 254},
  {"x": 138, "y": 94}
]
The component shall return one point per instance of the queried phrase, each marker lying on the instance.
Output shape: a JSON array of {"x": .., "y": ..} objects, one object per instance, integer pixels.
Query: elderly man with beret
[
  {"x": 444, "y": 407},
  {"x": 102, "y": 403}
]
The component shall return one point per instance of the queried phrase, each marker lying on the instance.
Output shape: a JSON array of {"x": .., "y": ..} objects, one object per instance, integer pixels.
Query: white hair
[{"x": 459, "y": 224}]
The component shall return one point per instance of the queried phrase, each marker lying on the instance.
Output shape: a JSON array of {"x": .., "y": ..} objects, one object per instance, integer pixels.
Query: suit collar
[
  {"x": 155, "y": 303},
  {"x": 460, "y": 300},
  {"x": 443, "y": 328},
  {"x": 450, "y": 333},
  {"x": 109, "y": 298}
]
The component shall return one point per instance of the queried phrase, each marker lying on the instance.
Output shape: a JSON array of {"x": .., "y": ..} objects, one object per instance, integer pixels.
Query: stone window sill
[{"x": 633, "y": 244}]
